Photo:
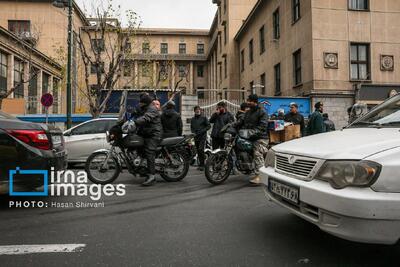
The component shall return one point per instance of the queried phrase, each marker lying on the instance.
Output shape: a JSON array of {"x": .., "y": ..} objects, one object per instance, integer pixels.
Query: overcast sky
[{"x": 196, "y": 14}]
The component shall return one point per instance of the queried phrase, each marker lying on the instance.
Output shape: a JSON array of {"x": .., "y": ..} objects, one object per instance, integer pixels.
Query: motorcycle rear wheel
[{"x": 218, "y": 167}]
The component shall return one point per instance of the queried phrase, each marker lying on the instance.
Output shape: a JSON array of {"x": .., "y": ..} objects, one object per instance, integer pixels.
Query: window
[
  {"x": 220, "y": 73},
  {"x": 18, "y": 78},
  {"x": 56, "y": 84},
  {"x": 200, "y": 71},
  {"x": 359, "y": 56},
  {"x": 94, "y": 127},
  {"x": 252, "y": 86},
  {"x": 220, "y": 42},
  {"x": 45, "y": 87},
  {"x": 358, "y": 4},
  {"x": 277, "y": 76},
  {"x": 128, "y": 48},
  {"x": 262, "y": 40},
  {"x": 33, "y": 91},
  {"x": 164, "y": 48},
  {"x": 146, "y": 48},
  {"x": 98, "y": 45},
  {"x": 262, "y": 83},
  {"x": 145, "y": 69},
  {"x": 251, "y": 52},
  {"x": 127, "y": 69},
  {"x": 242, "y": 60},
  {"x": 225, "y": 35},
  {"x": 94, "y": 68},
  {"x": 200, "y": 92},
  {"x": 224, "y": 6},
  {"x": 297, "y": 67},
  {"x": 182, "y": 71},
  {"x": 19, "y": 26},
  {"x": 225, "y": 93},
  {"x": 200, "y": 49},
  {"x": 276, "y": 24},
  {"x": 3, "y": 72},
  {"x": 225, "y": 68},
  {"x": 182, "y": 48},
  {"x": 295, "y": 10}
]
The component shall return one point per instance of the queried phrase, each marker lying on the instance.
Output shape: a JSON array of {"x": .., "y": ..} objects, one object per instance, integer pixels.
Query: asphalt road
[{"x": 190, "y": 223}]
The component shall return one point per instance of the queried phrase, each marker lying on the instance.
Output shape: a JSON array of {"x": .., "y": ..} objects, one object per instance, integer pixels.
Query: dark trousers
[
  {"x": 200, "y": 146},
  {"x": 218, "y": 142},
  {"x": 150, "y": 148}
]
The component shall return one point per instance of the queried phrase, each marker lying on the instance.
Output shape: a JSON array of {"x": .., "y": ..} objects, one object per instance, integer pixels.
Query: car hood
[{"x": 355, "y": 143}]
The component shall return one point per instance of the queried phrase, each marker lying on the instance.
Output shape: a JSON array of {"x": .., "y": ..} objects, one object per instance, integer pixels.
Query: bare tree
[{"x": 104, "y": 47}]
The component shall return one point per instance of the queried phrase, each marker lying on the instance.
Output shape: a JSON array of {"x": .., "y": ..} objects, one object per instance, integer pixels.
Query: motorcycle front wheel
[
  {"x": 102, "y": 168},
  {"x": 177, "y": 169},
  {"x": 218, "y": 167}
]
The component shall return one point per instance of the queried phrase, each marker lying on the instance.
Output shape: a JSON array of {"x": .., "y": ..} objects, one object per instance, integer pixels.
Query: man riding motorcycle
[
  {"x": 150, "y": 128},
  {"x": 255, "y": 120}
]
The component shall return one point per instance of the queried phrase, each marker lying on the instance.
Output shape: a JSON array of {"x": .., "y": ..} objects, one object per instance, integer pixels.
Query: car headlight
[
  {"x": 270, "y": 160},
  {"x": 341, "y": 174}
]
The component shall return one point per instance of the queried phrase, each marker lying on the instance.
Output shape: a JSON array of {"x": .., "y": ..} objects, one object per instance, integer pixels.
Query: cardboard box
[{"x": 291, "y": 132}]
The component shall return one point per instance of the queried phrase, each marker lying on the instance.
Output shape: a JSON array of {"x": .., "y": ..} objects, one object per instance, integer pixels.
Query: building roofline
[
  {"x": 249, "y": 18},
  {"x": 27, "y": 46}
]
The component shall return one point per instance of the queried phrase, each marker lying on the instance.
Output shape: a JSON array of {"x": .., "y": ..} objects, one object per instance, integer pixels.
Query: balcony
[{"x": 165, "y": 57}]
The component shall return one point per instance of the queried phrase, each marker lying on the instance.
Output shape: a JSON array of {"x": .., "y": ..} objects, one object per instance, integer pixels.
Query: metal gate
[{"x": 209, "y": 106}]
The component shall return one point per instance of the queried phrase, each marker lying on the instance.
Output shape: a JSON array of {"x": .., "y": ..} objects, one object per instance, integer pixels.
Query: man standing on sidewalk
[
  {"x": 295, "y": 117},
  {"x": 199, "y": 126},
  {"x": 316, "y": 123}
]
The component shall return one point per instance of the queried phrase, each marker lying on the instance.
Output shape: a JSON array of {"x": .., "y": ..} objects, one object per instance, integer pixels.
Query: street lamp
[{"x": 64, "y": 4}]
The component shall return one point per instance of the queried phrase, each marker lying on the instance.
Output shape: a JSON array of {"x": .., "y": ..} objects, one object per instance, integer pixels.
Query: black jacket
[
  {"x": 199, "y": 125},
  {"x": 220, "y": 120},
  {"x": 149, "y": 122},
  {"x": 256, "y": 120},
  {"x": 296, "y": 119},
  {"x": 171, "y": 123},
  {"x": 239, "y": 115}
]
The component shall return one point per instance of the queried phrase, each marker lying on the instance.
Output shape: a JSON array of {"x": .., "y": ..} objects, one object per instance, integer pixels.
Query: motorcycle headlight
[
  {"x": 270, "y": 160},
  {"x": 341, "y": 174}
]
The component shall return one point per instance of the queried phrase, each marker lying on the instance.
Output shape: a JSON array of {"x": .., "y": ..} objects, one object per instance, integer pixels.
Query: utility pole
[{"x": 64, "y": 4}]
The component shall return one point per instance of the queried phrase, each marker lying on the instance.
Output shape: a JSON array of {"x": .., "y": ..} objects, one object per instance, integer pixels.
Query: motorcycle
[
  {"x": 238, "y": 152},
  {"x": 104, "y": 166}
]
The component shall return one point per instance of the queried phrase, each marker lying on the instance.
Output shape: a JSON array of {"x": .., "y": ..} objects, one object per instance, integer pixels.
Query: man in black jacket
[
  {"x": 171, "y": 121},
  {"x": 220, "y": 118},
  {"x": 295, "y": 117},
  {"x": 256, "y": 121},
  {"x": 199, "y": 126},
  {"x": 150, "y": 129}
]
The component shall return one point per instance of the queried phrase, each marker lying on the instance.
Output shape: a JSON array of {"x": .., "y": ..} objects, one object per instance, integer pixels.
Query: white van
[{"x": 346, "y": 182}]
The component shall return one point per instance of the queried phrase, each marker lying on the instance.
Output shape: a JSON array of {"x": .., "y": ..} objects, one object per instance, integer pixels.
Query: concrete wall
[{"x": 188, "y": 103}]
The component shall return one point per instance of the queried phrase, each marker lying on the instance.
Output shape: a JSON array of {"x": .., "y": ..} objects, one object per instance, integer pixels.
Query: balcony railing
[{"x": 175, "y": 57}]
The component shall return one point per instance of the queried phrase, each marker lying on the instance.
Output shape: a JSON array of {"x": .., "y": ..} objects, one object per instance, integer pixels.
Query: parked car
[
  {"x": 82, "y": 140},
  {"x": 28, "y": 146},
  {"x": 346, "y": 182}
]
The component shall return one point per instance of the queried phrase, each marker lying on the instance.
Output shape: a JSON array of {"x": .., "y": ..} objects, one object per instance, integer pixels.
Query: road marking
[{"x": 33, "y": 249}]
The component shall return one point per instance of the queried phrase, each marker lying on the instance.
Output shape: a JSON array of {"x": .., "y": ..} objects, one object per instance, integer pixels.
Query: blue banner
[{"x": 272, "y": 104}]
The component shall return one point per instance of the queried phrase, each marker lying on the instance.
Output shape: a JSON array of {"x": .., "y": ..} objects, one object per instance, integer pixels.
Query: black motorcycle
[
  {"x": 238, "y": 152},
  {"x": 104, "y": 166}
]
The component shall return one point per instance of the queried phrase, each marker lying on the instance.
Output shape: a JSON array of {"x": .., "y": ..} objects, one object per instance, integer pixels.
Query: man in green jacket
[{"x": 316, "y": 122}]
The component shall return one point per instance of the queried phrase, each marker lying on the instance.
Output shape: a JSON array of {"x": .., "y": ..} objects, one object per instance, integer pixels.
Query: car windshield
[{"x": 384, "y": 115}]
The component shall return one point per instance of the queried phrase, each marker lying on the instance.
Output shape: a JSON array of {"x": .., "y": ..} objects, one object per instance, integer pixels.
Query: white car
[
  {"x": 83, "y": 139},
  {"x": 346, "y": 182}
]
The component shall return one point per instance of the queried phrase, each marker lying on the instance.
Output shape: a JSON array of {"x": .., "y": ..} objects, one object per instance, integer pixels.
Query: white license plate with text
[{"x": 287, "y": 192}]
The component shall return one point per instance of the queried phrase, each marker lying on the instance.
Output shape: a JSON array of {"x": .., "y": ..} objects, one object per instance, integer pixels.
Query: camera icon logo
[{"x": 19, "y": 172}]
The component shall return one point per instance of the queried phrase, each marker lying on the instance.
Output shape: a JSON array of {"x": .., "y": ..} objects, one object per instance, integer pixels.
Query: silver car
[{"x": 83, "y": 139}]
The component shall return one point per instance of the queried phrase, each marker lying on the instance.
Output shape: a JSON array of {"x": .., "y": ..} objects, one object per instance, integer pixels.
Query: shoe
[
  {"x": 256, "y": 180},
  {"x": 151, "y": 180},
  {"x": 200, "y": 168}
]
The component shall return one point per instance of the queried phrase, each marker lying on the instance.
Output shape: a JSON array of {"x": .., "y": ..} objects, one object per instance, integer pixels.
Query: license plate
[
  {"x": 56, "y": 139},
  {"x": 287, "y": 192}
]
